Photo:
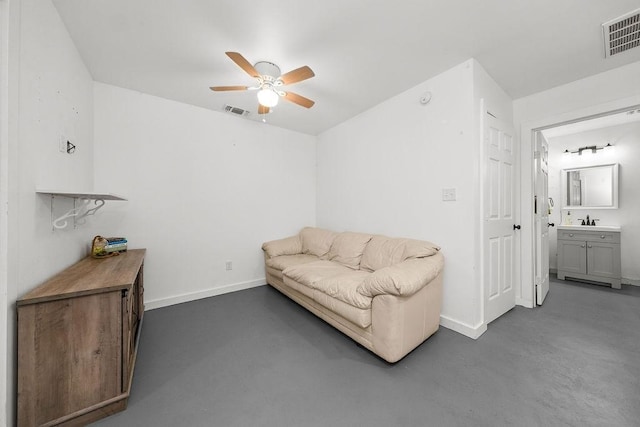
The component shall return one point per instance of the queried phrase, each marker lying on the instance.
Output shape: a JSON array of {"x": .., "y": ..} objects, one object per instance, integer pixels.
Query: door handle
[
  {"x": 589, "y": 246},
  {"x": 516, "y": 227},
  {"x": 582, "y": 246},
  {"x": 551, "y": 224}
]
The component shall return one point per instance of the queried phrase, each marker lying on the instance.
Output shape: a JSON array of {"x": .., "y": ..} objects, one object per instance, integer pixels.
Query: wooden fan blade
[
  {"x": 243, "y": 63},
  {"x": 262, "y": 109},
  {"x": 297, "y": 75},
  {"x": 298, "y": 99},
  {"x": 225, "y": 88}
]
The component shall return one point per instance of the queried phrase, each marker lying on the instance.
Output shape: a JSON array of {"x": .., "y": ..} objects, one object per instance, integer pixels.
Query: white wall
[
  {"x": 50, "y": 94},
  {"x": 590, "y": 96},
  {"x": 383, "y": 171},
  {"x": 204, "y": 188},
  {"x": 626, "y": 152},
  {"x": 56, "y": 100}
]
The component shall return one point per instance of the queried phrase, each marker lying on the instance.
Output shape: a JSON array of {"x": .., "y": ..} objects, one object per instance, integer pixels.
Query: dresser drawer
[{"x": 592, "y": 236}]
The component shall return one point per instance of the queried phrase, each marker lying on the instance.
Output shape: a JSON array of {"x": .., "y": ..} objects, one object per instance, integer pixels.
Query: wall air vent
[
  {"x": 622, "y": 33},
  {"x": 235, "y": 110}
]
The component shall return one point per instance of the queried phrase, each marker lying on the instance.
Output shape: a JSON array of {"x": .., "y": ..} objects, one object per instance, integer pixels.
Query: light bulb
[{"x": 268, "y": 98}]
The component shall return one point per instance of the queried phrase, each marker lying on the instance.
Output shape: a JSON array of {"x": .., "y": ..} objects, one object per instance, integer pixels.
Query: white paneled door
[
  {"x": 499, "y": 223},
  {"x": 541, "y": 213}
]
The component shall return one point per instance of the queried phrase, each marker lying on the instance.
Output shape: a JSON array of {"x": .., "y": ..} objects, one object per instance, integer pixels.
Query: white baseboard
[
  {"x": 462, "y": 328},
  {"x": 179, "y": 299}
]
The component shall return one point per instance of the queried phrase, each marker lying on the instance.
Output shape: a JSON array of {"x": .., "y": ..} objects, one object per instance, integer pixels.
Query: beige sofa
[{"x": 385, "y": 293}]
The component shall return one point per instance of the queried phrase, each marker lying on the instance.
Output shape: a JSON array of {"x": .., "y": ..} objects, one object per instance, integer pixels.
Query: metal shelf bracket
[{"x": 84, "y": 205}]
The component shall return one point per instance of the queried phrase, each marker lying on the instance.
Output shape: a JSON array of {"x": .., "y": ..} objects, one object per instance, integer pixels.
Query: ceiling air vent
[
  {"x": 235, "y": 110},
  {"x": 622, "y": 33}
]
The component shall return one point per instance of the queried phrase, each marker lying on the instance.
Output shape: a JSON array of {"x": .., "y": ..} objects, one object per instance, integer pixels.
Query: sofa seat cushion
[
  {"x": 303, "y": 289},
  {"x": 309, "y": 273},
  {"x": 344, "y": 288},
  {"x": 282, "y": 262},
  {"x": 358, "y": 316}
]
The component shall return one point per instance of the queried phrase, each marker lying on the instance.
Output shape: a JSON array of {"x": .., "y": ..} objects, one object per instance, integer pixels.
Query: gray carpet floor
[{"x": 255, "y": 358}]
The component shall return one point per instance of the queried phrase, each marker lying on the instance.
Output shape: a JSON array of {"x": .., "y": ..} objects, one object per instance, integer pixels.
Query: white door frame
[
  {"x": 525, "y": 295},
  {"x": 4, "y": 143},
  {"x": 9, "y": 117}
]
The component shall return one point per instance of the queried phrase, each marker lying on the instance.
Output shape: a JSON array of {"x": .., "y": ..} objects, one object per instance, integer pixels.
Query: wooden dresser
[{"x": 77, "y": 341}]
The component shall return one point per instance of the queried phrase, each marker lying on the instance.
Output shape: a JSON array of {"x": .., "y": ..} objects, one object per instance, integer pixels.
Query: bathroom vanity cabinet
[{"x": 590, "y": 254}]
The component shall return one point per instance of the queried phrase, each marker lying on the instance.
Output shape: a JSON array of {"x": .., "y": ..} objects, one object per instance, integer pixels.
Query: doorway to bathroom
[{"x": 587, "y": 144}]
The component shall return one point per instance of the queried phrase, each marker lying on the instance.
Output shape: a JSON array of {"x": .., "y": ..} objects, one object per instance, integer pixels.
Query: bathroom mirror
[{"x": 590, "y": 187}]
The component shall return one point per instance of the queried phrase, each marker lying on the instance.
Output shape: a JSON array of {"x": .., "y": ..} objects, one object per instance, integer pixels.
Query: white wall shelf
[{"x": 84, "y": 205}]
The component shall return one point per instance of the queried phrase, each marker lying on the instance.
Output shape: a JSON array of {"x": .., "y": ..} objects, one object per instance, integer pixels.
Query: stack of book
[{"x": 116, "y": 244}]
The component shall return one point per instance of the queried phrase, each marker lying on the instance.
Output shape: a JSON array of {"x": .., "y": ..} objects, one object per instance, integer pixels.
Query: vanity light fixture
[{"x": 589, "y": 148}]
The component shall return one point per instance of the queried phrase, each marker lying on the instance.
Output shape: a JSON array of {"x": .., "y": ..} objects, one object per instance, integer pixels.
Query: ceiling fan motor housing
[{"x": 268, "y": 69}]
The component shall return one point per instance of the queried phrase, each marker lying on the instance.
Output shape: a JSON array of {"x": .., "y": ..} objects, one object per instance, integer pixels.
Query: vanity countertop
[{"x": 589, "y": 227}]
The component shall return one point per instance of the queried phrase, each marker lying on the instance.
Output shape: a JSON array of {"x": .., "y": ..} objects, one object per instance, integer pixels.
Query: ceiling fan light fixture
[
  {"x": 270, "y": 80},
  {"x": 268, "y": 97}
]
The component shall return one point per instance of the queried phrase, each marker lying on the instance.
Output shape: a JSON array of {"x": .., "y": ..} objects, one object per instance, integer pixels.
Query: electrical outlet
[{"x": 229, "y": 265}]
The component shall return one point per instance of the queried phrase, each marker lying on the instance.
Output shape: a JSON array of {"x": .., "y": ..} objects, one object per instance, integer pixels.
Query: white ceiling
[{"x": 362, "y": 51}]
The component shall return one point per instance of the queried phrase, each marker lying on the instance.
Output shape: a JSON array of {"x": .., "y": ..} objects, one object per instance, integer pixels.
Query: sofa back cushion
[
  {"x": 347, "y": 248},
  {"x": 419, "y": 249},
  {"x": 382, "y": 251},
  {"x": 316, "y": 241}
]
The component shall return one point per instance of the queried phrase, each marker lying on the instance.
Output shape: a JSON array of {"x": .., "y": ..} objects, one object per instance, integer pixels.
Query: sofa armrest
[
  {"x": 287, "y": 246},
  {"x": 402, "y": 279}
]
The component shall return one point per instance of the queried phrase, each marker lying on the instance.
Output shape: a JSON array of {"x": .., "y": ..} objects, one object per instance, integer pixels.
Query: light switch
[{"x": 448, "y": 194}]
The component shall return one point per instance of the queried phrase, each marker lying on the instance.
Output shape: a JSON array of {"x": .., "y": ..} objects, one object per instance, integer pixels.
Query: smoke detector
[{"x": 622, "y": 33}]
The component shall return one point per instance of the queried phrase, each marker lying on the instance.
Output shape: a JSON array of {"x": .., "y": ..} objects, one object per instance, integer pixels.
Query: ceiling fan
[{"x": 269, "y": 82}]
